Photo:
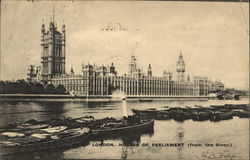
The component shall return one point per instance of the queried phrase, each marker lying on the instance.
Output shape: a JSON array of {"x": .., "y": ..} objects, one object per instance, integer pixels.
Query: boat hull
[
  {"x": 145, "y": 100},
  {"x": 221, "y": 116},
  {"x": 46, "y": 145},
  {"x": 129, "y": 129},
  {"x": 149, "y": 114}
]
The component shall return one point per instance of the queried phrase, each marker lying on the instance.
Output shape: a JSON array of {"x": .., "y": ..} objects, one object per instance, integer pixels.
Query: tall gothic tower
[
  {"x": 53, "y": 51},
  {"x": 132, "y": 65},
  {"x": 180, "y": 68}
]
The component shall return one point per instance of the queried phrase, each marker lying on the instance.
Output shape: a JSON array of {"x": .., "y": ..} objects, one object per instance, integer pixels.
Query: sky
[{"x": 213, "y": 36}]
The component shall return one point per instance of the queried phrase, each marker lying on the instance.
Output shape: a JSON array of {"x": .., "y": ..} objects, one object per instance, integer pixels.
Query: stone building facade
[
  {"x": 33, "y": 73},
  {"x": 104, "y": 80}
]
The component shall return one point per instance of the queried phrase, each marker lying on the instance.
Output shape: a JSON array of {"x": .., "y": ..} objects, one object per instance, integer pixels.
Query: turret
[
  {"x": 167, "y": 75},
  {"x": 43, "y": 29},
  {"x": 51, "y": 25},
  {"x": 112, "y": 69},
  {"x": 63, "y": 31},
  {"x": 149, "y": 70},
  {"x": 188, "y": 78},
  {"x": 72, "y": 71},
  {"x": 63, "y": 28},
  {"x": 132, "y": 65}
]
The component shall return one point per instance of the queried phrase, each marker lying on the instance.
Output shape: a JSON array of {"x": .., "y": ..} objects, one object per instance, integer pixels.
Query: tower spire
[
  {"x": 53, "y": 11},
  {"x": 181, "y": 53},
  {"x": 149, "y": 70}
]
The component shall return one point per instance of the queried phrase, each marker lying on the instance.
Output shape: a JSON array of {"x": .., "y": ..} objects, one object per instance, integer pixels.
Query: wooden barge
[
  {"x": 70, "y": 133},
  {"x": 23, "y": 144},
  {"x": 198, "y": 113},
  {"x": 104, "y": 131}
]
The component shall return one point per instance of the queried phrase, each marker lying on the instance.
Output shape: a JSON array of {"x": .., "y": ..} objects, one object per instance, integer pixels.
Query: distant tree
[
  {"x": 37, "y": 88},
  {"x": 60, "y": 89},
  {"x": 50, "y": 89},
  {"x": 21, "y": 87},
  {"x": 40, "y": 88},
  {"x": 32, "y": 87},
  {"x": 2, "y": 86}
]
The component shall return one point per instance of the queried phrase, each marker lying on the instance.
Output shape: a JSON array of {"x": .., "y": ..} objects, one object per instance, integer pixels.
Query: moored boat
[
  {"x": 145, "y": 100},
  {"x": 241, "y": 113},
  {"x": 237, "y": 97},
  {"x": 179, "y": 115},
  {"x": 163, "y": 115},
  {"x": 201, "y": 116},
  {"x": 42, "y": 141},
  {"x": 148, "y": 113},
  {"x": 22, "y": 127},
  {"x": 218, "y": 115},
  {"x": 118, "y": 128},
  {"x": 220, "y": 97}
]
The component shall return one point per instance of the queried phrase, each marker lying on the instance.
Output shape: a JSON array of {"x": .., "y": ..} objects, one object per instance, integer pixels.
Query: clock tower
[{"x": 180, "y": 67}]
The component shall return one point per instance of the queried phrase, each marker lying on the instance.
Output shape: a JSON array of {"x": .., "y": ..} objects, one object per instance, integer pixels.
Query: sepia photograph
[{"x": 125, "y": 80}]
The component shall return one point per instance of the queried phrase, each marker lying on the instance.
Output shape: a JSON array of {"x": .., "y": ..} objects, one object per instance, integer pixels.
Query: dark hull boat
[
  {"x": 23, "y": 127},
  {"x": 149, "y": 113},
  {"x": 217, "y": 116},
  {"x": 144, "y": 126},
  {"x": 237, "y": 97},
  {"x": 33, "y": 124},
  {"x": 163, "y": 115},
  {"x": 145, "y": 100},
  {"x": 241, "y": 113},
  {"x": 220, "y": 97},
  {"x": 198, "y": 113},
  {"x": 201, "y": 116},
  {"x": 178, "y": 115},
  {"x": 24, "y": 144}
]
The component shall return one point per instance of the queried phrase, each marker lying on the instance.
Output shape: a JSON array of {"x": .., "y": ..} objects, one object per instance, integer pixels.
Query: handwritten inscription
[{"x": 224, "y": 155}]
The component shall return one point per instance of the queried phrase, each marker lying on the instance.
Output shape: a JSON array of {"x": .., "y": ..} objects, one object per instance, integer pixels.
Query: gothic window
[
  {"x": 46, "y": 51},
  {"x": 60, "y": 52}
]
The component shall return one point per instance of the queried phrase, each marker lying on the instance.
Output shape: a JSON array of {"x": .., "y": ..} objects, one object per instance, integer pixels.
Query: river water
[{"x": 231, "y": 136}]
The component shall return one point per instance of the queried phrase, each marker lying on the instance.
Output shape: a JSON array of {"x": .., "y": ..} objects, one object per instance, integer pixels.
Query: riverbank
[{"x": 104, "y": 98}]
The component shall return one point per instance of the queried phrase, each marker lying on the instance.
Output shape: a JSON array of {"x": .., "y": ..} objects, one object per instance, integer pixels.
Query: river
[{"x": 228, "y": 139}]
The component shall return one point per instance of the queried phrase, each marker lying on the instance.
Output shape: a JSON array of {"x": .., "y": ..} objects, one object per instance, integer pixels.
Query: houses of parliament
[{"x": 103, "y": 80}]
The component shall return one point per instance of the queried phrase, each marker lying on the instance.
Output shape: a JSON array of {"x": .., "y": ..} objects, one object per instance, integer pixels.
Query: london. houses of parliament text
[{"x": 103, "y": 80}]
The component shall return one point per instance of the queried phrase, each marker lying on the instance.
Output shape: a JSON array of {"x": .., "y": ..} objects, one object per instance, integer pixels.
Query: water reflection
[
  {"x": 180, "y": 136},
  {"x": 101, "y": 104},
  {"x": 124, "y": 152},
  {"x": 125, "y": 141},
  {"x": 23, "y": 111}
]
